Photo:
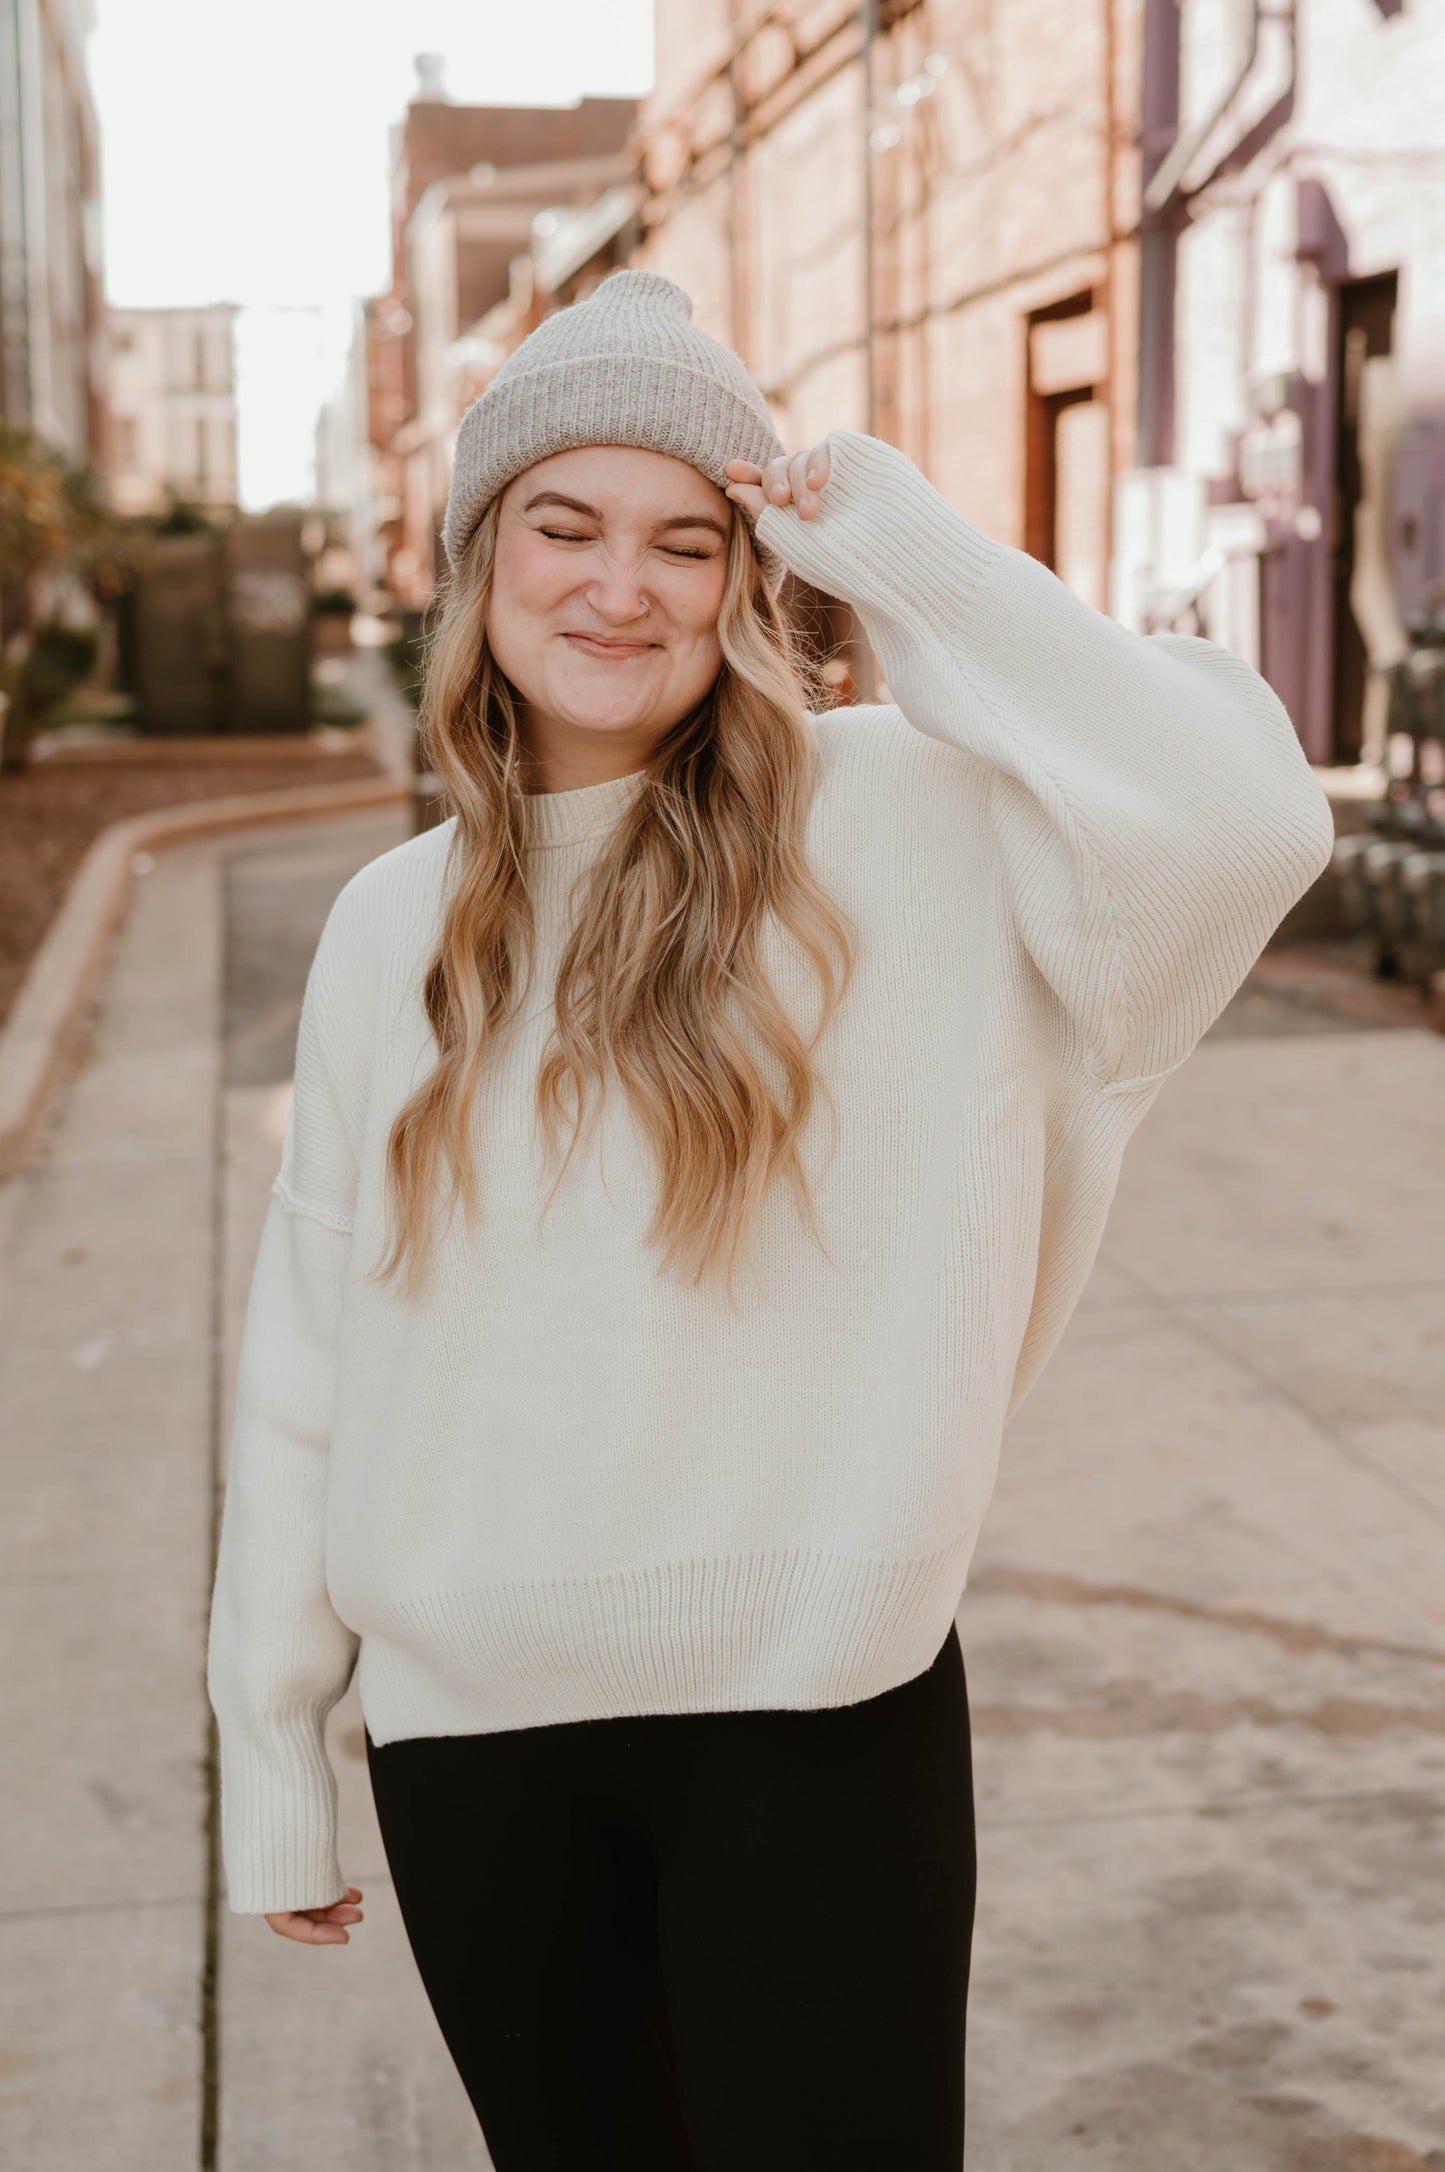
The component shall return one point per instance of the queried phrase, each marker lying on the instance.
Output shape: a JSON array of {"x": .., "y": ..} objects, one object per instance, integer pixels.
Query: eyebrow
[{"x": 590, "y": 512}]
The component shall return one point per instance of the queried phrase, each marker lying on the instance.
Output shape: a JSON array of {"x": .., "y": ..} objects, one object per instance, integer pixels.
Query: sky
[{"x": 244, "y": 158}]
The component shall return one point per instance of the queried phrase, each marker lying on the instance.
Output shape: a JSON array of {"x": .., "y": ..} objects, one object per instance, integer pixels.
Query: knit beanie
[{"x": 625, "y": 367}]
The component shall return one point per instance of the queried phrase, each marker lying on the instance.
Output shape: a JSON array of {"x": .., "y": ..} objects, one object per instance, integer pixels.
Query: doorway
[
  {"x": 1067, "y": 446},
  {"x": 1365, "y": 341}
]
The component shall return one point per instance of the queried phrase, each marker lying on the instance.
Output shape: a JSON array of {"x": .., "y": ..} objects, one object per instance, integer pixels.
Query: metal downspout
[
  {"x": 868, "y": 18},
  {"x": 1160, "y": 200},
  {"x": 1163, "y": 186}
]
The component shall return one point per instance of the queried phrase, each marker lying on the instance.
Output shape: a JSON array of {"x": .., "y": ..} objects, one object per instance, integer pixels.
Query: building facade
[
  {"x": 52, "y": 333},
  {"x": 1149, "y": 288},
  {"x": 1301, "y": 400},
  {"x": 911, "y": 220},
  {"x": 469, "y": 186},
  {"x": 345, "y": 469},
  {"x": 173, "y": 407}
]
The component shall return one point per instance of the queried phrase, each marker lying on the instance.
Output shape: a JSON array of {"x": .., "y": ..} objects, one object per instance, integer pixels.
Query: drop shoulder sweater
[{"x": 560, "y": 1485}]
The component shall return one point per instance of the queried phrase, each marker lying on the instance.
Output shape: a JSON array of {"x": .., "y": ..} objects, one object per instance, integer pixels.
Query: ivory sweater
[{"x": 563, "y": 1486}]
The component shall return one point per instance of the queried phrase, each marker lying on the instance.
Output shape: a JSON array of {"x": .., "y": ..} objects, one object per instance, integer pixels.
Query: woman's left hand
[{"x": 794, "y": 479}]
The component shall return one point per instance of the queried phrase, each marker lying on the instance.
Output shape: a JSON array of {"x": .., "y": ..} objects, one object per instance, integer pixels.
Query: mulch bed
[{"x": 54, "y": 811}]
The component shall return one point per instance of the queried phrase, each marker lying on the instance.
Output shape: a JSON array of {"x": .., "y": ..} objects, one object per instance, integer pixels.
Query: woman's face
[{"x": 606, "y": 586}]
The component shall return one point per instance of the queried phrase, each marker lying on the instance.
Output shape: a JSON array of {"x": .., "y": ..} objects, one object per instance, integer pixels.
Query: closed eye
[{"x": 674, "y": 550}]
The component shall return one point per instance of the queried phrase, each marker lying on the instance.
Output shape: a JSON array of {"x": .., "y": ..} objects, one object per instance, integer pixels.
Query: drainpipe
[
  {"x": 868, "y": 16},
  {"x": 1158, "y": 129},
  {"x": 1163, "y": 186},
  {"x": 860, "y": 656},
  {"x": 739, "y": 238},
  {"x": 1161, "y": 209}
]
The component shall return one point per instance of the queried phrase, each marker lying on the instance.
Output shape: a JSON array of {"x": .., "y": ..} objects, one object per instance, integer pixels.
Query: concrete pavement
[
  {"x": 1205, "y": 1634},
  {"x": 1206, "y": 1645}
]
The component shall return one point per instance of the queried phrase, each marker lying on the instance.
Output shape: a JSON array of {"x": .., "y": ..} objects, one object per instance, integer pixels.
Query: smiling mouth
[{"x": 600, "y": 643}]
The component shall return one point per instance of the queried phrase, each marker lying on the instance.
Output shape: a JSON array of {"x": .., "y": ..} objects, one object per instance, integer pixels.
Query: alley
[{"x": 1205, "y": 1632}]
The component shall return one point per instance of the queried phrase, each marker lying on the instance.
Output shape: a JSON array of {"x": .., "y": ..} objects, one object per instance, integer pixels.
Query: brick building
[
  {"x": 469, "y": 184},
  {"x": 905, "y": 219},
  {"x": 1216, "y": 406}
]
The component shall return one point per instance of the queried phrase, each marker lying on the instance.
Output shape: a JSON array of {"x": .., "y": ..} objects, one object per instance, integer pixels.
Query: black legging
[{"x": 700, "y": 1942}]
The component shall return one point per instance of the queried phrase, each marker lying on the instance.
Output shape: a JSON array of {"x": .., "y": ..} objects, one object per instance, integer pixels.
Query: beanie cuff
[
  {"x": 625, "y": 367},
  {"x": 649, "y": 401}
]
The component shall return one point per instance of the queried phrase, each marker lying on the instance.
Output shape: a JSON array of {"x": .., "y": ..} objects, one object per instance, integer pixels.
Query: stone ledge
[{"x": 43, "y": 1025}]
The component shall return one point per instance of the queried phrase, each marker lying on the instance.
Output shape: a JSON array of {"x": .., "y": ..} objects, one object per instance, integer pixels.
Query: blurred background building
[
  {"x": 1291, "y": 322},
  {"x": 52, "y": 347},
  {"x": 346, "y": 466},
  {"x": 173, "y": 408},
  {"x": 469, "y": 184},
  {"x": 1153, "y": 289},
  {"x": 902, "y": 216},
  {"x": 1150, "y": 289}
]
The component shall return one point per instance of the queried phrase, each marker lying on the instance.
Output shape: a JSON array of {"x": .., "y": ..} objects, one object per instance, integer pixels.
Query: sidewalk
[
  {"x": 142, "y": 2026},
  {"x": 1205, "y": 1634},
  {"x": 1206, "y": 1646}
]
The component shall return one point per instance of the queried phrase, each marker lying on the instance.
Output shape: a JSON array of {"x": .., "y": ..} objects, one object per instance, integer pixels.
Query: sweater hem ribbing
[
  {"x": 789, "y": 1629},
  {"x": 307, "y": 1212}
]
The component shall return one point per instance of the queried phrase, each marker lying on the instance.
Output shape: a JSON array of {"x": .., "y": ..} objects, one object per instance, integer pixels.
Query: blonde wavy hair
[{"x": 661, "y": 982}]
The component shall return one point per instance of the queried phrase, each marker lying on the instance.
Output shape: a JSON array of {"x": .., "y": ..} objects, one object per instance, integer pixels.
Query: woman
[{"x": 699, "y": 1143}]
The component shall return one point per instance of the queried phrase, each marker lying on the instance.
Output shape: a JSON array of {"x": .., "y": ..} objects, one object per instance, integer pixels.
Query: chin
[
  {"x": 601, "y": 708},
  {"x": 606, "y": 710}
]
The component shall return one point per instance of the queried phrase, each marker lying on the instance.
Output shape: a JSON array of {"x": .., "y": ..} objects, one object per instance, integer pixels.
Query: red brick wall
[{"x": 768, "y": 201}]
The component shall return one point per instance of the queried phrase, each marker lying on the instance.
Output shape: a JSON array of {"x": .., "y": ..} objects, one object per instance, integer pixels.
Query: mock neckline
[{"x": 560, "y": 818}]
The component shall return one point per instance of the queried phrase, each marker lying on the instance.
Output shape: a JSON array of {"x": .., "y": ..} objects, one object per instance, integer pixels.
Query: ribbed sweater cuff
[
  {"x": 278, "y": 1817},
  {"x": 886, "y": 541}
]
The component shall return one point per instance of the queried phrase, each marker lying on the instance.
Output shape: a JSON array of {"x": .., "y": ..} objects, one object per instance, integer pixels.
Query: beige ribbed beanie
[{"x": 625, "y": 367}]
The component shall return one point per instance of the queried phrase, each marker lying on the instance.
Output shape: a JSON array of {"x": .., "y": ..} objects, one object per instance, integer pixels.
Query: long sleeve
[
  {"x": 278, "y": 1655},
  {"x": 1155, "y": 813}
]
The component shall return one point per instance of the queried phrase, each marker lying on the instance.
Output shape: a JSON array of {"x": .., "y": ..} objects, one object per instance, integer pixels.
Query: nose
[{"x": 616, "y": 592}]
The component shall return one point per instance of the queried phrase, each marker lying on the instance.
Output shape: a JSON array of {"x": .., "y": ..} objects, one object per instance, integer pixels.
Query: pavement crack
[
  {"x": 1134, "y": 1708},
  {"x": 122, "y": 1906},
  {"x": 1053, "y": 1588},
  {"x": 208, "y": 2134}
]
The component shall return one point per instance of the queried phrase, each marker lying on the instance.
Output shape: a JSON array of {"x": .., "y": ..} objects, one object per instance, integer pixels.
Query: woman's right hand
[
  {"x": 795, "y": 479},
  {"x": 319, "y": 1926}
]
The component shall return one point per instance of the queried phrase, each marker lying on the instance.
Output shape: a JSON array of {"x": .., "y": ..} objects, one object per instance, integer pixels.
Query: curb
[{"x": 43, "y": 1027}]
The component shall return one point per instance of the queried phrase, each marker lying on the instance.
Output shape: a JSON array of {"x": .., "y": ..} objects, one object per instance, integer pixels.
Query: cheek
[
  {"x": 525, "y": 591},
  {"x": 695, "y": 615},
  {"x": 705, "y": 654}
]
